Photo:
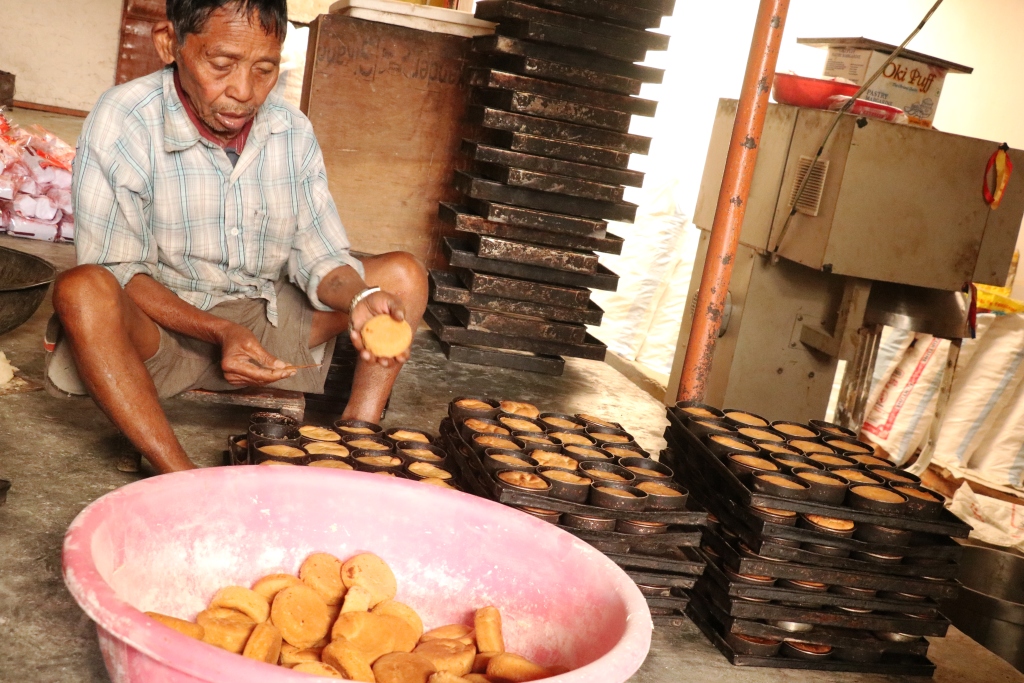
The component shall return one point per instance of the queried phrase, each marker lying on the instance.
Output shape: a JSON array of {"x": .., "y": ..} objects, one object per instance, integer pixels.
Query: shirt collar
[{"x": 180, "y": 133}]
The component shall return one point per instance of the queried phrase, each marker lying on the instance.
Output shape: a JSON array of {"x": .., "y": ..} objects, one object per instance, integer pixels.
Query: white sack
[
  {"x": 982, "y": 391},
  {"x": 995, "y": 521},
  {"x": 652, "y": 250},
  {"x": 659, "y": 348},
  {"x": 902, "y": 414}
]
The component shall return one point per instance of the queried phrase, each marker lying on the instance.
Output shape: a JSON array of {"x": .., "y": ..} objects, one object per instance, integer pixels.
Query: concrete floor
[{"x": 61, "y": 455}]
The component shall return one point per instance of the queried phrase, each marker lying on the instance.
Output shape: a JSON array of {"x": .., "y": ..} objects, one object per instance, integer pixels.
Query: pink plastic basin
[{"x": 167, "y": 544}]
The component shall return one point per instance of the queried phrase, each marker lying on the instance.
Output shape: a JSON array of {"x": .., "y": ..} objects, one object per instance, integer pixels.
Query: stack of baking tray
[
  {"x": 664, "y": 565},
  {"x": 782, "y": 590},
  {"x": 553, "y": 94}
]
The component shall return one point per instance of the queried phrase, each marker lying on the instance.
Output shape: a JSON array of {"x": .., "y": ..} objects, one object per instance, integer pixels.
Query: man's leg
[
  {"x": 111, "y": 338},
  {"x": 397, "y": 273}
]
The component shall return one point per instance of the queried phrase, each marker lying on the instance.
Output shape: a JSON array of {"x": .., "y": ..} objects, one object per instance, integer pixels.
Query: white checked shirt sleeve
[
  {"x": 320, "y": 244},
  {"x": 112, "y": 195}
]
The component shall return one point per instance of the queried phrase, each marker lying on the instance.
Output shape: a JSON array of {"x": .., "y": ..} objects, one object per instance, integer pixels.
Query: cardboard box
[{"x": 913, "y": 82}]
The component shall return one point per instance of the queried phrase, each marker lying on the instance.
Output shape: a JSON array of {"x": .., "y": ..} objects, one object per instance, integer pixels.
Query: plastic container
[
  {"x": 800, "y": 91},
  {"x": 141, "y": 549},
  {"x": 872, "y": 110}
]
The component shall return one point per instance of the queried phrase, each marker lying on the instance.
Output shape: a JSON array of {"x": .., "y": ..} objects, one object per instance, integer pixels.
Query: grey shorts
[{"x": 182, "y": 363}]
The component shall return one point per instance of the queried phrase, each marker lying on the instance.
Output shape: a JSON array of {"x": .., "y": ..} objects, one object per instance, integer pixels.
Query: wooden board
[
  {"x": 534, "y": 255},
  {"x": 532, "y": 162},
  {"x": 465, "y": 220},
  {"x": 290, "y": 403},
  {"x": 493, "y": 78},
  {"x": 538, "y": 220},
  {"x": 553, "y": 149},
  {"x": 549, "y": 182},
  {"x": 445, "y": 288},
  {"x": 448, "y": 329},
  {"x": 550, "y": 108},
  {"x": 497, "y": 358},
  {"x": 388, "y": 104},
  {"x": 519, "y": 326},
  {"x": 523, "y": 290},
  {"x": 479, "y": 188},
  {"x": 552, "y": 53},
  {"x": 503, "y": 11},
  {"x": 603, "y": 10},
  {"x": 460, "y": 255},
  {"x": 560, "y": 73},
  {"x": 564, "y": 132}
]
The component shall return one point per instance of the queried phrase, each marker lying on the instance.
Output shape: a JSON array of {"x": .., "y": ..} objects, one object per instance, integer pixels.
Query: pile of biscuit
[{"x": 340, "y": 620}]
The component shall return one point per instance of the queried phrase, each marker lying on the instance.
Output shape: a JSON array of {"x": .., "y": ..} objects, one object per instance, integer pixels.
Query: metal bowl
[{"x": 24, "y": 279}]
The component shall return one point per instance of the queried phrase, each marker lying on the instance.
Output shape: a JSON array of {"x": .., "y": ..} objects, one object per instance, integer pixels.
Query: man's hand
[
  {"x": 378, "y": 303},
  {"x": 245, "y": 362}
]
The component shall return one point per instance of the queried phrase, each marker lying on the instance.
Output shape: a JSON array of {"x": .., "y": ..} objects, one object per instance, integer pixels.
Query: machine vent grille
[{"x": 810, "y": 201}]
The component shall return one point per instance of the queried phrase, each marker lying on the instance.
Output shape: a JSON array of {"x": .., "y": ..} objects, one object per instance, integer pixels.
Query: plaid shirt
[{"x": 152, "y": 196}]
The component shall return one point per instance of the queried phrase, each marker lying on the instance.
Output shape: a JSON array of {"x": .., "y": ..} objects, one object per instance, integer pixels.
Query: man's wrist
[
  {"x": 221, "y": 329},
  {"x": 360, "y": 297}
]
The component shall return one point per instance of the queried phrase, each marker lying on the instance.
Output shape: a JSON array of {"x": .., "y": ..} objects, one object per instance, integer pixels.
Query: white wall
[
  {"x": 710, "y": 42},
  {"x": 63, "y": 52}
]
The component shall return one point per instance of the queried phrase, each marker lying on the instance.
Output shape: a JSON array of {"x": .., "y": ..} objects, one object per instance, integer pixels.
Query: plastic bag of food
[{"x": 996, "y": 300}]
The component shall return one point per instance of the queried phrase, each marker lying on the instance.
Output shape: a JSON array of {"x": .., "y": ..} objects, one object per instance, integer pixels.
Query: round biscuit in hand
[{"x": 385, "y": 337}]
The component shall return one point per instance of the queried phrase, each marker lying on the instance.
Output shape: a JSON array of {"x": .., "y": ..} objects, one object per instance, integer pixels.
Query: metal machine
[{"x": 890, "y": 229}]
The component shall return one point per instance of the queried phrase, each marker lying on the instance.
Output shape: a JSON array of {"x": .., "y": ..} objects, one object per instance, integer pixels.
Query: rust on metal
[{"x": 732, "y": 199}]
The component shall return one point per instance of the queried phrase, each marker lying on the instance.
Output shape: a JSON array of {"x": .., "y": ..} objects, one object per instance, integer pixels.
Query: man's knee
[
  {"x": 84, "y": 288},
  {"x": 407, "y": 271}
]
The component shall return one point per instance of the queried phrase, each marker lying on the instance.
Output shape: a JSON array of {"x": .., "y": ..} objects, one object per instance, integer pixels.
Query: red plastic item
[
  {"x": 168, "y": 543},
  {"x": 800, "y": 91}
]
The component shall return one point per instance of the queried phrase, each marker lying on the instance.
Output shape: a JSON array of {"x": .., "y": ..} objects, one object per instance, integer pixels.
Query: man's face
[{"x": 228, "y": 70}]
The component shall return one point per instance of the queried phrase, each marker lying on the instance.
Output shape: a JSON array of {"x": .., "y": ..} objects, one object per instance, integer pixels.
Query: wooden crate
[{"x": 388, "y": 104}]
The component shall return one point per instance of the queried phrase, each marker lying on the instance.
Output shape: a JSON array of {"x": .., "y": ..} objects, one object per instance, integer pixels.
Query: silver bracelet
[{"x": 358, "y": 298}]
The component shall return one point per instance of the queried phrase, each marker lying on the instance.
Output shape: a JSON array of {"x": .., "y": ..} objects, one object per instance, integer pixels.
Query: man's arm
[
  {"x": 340, "y": 286},
  {"x": 243, "y": 359},
  {"x": 321, "y": 263}
]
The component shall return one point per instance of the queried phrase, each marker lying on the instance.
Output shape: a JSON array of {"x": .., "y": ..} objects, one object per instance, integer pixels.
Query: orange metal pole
[{"x": 732, "y": 201}]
